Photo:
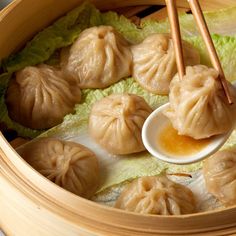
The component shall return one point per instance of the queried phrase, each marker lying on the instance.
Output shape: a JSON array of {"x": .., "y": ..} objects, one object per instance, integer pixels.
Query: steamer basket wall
[{"x": 32, "y": 205}]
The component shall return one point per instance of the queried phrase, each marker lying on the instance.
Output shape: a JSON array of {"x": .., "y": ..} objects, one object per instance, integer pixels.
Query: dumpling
[
  {"x": 116, "y": 122},
  {"x": 156, "y": 195},
  {"x": 98, "y": 58},
  {"x": 220, "y": 176},
  {"x": 69, "y": 165},
  {"x": 198, "y": 106},
  {"x": 154, "y": 63},
  {"x": 39, "y": 97}
]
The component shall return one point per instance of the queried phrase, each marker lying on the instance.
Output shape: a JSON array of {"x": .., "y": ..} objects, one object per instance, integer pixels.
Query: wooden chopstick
[
  {"x": 199, "y": 17},
  {"x": 175, "y": 31}
]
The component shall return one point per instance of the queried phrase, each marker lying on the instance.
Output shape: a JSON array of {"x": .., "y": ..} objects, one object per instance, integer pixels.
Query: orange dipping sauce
[{"x": 178, "y": 145}]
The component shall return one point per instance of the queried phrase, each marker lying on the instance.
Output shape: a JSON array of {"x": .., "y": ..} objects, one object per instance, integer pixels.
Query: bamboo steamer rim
[
  {"x": 64, "y": 203},
  {"x": 78, "y": 210}
]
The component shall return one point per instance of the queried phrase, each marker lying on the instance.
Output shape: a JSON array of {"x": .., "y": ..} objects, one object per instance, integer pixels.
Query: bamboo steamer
[{"x": 32, "y": 205}]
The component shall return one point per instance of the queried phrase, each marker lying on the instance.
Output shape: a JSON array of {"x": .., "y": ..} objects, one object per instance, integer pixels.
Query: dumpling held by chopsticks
[{"x": 198, "y": 105}]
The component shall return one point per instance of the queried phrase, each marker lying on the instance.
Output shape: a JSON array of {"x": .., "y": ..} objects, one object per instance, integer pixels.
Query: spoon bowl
[{"x": 154, "y": 125}]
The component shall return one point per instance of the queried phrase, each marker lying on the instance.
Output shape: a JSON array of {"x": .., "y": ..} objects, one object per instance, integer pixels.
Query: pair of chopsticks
[{"x": 175, "y": 29}]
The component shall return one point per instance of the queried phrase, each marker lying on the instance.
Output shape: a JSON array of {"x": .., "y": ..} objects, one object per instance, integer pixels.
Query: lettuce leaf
[
  {"x": 220, "y": 22},
  {"x": 124, "y": 26},
  {"x": 226, "y": 49},
  {"x": 60, "y": 34}
]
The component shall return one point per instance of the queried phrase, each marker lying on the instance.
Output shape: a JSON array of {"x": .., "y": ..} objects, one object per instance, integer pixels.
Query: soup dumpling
[
  {"x": 154, "y": 63},
  {"x": 156, "y": 195},
  {"x": 116, "y": 122},
  {"x": 69, "y": 165},
  {"x": 98, "y": 58},
  {"x": 198, "y": 105},
  {"x": 39, "y": 97},
  {"x": 220, "y": 176}
]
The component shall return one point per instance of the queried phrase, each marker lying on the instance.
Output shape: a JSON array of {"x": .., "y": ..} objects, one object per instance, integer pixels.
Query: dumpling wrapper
[
  {"x": 220, "y": 176},
  {"x": 116, "y": 123},
  {"x": 156, "y": 195},
  {"x": 68, "y": 164},
  {"x": 39, "y": 97},
  {"x": 198, "y": 105},
  {"x": 98, "y": 58},
  {"x": 154, "y": 63}
]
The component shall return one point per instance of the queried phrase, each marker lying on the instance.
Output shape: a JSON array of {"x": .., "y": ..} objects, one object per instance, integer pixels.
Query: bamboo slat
[
  {"x": 162, "y": 14},
  {"x": 207, "y": 5},
  {"x": 131, "y": 11}
]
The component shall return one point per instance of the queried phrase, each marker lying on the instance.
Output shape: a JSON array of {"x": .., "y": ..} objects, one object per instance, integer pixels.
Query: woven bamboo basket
[{"x": 32, "y": 205}]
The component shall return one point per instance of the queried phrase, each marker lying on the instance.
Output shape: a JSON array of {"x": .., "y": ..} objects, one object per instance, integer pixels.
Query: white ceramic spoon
[{"x": 154, "y": 125}]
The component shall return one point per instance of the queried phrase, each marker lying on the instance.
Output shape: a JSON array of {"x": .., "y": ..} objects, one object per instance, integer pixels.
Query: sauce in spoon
[
  {"x": 176, "y": 149},
  {"x": 170, "y": 142}
]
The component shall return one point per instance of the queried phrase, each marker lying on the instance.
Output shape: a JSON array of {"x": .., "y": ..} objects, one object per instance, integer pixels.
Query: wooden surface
[{"x": 32, "y": 205}]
